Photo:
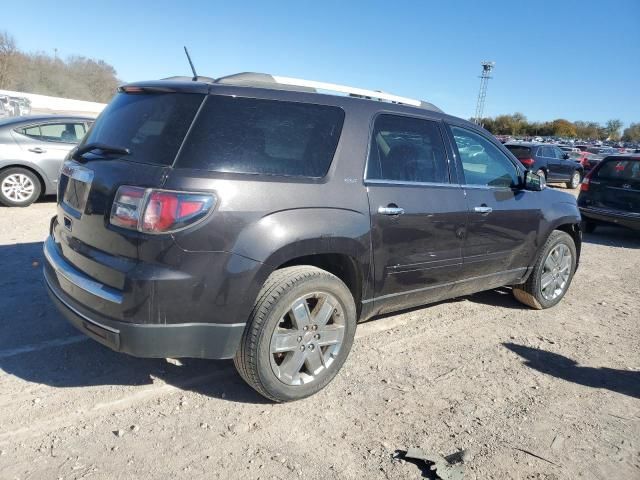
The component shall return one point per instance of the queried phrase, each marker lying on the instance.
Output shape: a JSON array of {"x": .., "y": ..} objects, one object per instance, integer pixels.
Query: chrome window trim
[
  {"x": 80, "y": 280},
  {"x": 378, "y": 181}
]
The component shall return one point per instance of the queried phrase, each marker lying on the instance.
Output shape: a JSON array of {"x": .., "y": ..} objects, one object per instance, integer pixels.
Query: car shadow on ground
[
  {"x": 38, "y": 345},
  {"x": 610, "y": 236},
  {"x": 622, "y": 381}
]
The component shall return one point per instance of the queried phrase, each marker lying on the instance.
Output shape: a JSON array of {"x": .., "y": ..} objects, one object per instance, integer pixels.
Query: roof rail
[{"x": 288, "y": 83}]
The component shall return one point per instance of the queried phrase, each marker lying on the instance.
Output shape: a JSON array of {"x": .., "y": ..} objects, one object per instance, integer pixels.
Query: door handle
[
  {"x": 483, "y": 209},
  {"x": 37, "y": 150},
  {"x": 390, "y": 210}
]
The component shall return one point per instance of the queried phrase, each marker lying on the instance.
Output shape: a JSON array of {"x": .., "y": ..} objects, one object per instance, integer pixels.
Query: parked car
[
  {"x": 610, "y": 193},
  {"x": 586, "y": 159},
  {"x": 251, "y": 217},
  {"x": 548, "y": 161},
  {"x": 32, "y": 149}
]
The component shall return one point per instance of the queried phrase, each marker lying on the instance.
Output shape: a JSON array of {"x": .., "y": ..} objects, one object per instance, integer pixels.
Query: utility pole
[{"x": 487, "y": 67}]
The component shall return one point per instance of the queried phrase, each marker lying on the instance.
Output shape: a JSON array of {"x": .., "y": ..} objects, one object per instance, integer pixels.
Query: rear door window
[
  {"x": 269, "y": 137},
  {"x": 407, "y": 149},
  {"x": 151, "y": 125}
]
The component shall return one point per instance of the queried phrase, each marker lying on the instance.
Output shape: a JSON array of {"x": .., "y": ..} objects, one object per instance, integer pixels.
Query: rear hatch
[
  {"x": 150, "y": 124},
  {"x": 522, "y": 153},
  {"x": 615, "y": 185}
]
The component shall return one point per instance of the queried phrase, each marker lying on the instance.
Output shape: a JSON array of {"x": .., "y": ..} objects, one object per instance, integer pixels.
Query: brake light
[
  {"x": 584, "y": 186},
  {"x": 527, "y": 162},
  {"x": 158, "y": 211}
]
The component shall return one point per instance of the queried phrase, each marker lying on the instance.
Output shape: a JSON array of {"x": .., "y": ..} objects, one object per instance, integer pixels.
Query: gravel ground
[{"x": 529, "y": 394}]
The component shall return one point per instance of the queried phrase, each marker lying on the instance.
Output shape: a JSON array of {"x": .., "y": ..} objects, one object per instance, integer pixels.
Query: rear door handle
[
  {"x": 483, "y": 209},
  {"x": 390, "y": 210},
  {"x": 37, "y": 150}
]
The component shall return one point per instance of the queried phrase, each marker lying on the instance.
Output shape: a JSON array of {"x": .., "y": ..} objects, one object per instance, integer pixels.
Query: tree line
[
  {"x": 517, "y": 125},
  {"x": 77, "y": 77}
]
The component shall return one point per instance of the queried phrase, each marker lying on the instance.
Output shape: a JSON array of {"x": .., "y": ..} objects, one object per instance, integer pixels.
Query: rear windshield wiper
[{"x": 90, "y": 147}]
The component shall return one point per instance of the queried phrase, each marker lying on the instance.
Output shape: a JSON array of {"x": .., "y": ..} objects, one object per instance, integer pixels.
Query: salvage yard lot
[{"x": 549, "y": 394}]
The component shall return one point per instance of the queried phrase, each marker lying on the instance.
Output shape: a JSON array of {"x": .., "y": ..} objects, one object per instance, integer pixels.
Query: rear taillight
[
  {"x": 149, "y": 210},
  {"x": 527, "y": 162},
  {"x": 584, "y": 186}
]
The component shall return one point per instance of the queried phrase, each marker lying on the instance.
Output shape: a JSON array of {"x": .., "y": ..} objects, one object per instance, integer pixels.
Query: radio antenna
[{"x": 193, "y": 69}]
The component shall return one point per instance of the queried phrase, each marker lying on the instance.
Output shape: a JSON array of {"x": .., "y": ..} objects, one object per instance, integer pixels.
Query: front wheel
[
  {"x": 575, "y": 180},
  {"x": 299, "y": 333},
  {"x": 552, "y": 273}
]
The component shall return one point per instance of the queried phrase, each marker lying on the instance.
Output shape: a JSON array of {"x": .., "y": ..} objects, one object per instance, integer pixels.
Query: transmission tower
[{"x": 487, "y": 67}]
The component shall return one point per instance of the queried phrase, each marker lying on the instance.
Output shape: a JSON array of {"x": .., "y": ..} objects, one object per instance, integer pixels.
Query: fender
[
  {"x": 288, "y": 234},
  {"x": 562, "y": 213}
]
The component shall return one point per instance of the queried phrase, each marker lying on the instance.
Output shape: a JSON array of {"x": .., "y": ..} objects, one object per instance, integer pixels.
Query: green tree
[
  {"x": 563, "y": 128},
  {"x": 632, "y": 133},
  {"x": 612, "y": 129}
]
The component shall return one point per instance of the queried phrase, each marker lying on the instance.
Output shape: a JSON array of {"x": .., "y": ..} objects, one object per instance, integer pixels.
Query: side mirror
[
  {"x": 534, "y": 182},
  {"x": 566, "y": 156}
]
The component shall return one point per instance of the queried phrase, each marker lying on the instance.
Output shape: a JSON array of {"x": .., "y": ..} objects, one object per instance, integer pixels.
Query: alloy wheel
[
  {"x": 17, "y": 187},
  {"x": 307, "y": 339},
  {"x": 556, "y": 271}
]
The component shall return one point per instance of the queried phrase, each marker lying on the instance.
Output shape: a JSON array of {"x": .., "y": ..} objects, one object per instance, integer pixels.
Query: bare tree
[{"x": 8, "y": 51}]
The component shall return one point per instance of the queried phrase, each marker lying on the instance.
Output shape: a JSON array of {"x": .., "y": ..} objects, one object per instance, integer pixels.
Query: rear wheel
[
  {"x": 299, "y": 333},
  {"x": 575, "y": 180},
  {"x": 19, "y": 187},
  {"x": 552, "y": 273}
]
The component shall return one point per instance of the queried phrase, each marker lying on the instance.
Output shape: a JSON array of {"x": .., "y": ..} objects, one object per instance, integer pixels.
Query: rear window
[
  {"x": 620, "y": 170},
  {"x": 151, "y": 125},
  {"x": 519, "y": 152},
  {"x": 247, "y": 135}
]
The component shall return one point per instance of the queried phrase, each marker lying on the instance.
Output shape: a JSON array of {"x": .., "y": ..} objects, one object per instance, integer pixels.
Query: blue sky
[{"x": 578, "y": 60}]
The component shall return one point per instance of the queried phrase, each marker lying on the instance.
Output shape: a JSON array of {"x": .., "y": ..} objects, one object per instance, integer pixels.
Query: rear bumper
[
  {"x": 80, "y": 299},
  {"x": 195, "y": 340},
  {"x": 612, "y": 217}
]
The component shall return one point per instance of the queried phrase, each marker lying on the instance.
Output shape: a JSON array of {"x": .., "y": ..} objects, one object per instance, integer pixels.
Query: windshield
[{"x": 151, "y": 125}]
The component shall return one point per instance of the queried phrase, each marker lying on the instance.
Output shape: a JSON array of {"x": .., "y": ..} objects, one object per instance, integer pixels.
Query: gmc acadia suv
[{"x": 252, "y": 217}]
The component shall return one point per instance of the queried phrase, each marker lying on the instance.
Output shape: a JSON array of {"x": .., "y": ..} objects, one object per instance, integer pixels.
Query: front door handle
[
  {"x": 37, "y": 150},
  {"x": 390, "y": 210},
  {"x": 483, "y": 209}
]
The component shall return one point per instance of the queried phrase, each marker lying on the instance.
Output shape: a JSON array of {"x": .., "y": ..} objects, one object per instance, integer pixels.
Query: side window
[
  {"x": 270, "y": 137},
  {"x": 62, "y": 132},
  {"x": 407, "y": 149},
  {"x": 482, "y": 162},
  {"x": 33, "y": 132},
  {"x": 547, "y": 152}
]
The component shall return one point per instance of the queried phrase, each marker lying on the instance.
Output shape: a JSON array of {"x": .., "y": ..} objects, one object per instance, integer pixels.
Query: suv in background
[
  {"x": 610, "y": 193},
  {"x": 32, "y": 150},
  {"x": 548, "y": 161},
  {"x": 251, "y": 217}
]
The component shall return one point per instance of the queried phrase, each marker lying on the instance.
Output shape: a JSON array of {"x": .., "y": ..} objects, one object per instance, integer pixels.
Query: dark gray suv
[{"x": 252, "y": 217}]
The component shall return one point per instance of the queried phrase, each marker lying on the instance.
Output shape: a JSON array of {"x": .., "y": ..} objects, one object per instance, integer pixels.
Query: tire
[
  {"x": 19, "y": 187},
  {"x": 576, "y": 178},
  {"x": 531, "y": 292},
  {"x": 588, "y": 227},
  {"x": 305, "y": 367}
]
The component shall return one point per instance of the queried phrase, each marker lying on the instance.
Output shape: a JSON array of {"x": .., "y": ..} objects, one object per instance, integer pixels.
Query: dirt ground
[{"x": 528, "y": 394}]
